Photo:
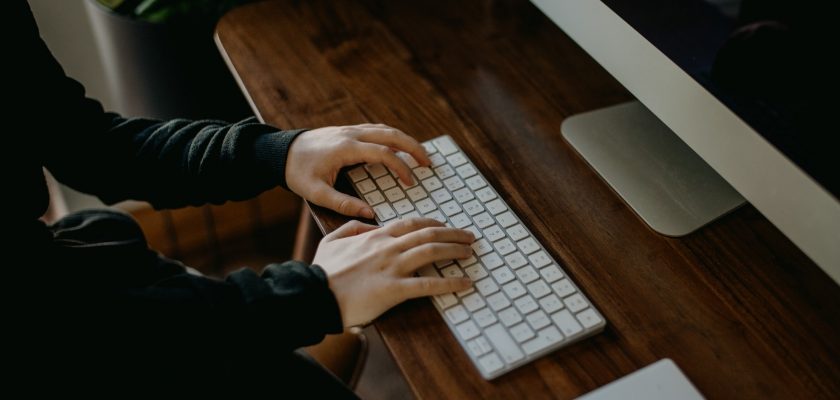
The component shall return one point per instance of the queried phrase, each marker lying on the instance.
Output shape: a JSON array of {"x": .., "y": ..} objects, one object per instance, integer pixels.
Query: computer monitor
[{"x": 735, "y": 82}]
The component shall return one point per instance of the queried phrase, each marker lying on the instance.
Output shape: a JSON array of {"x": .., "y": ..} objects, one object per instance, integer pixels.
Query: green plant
[{"x": 159, "y": 11}]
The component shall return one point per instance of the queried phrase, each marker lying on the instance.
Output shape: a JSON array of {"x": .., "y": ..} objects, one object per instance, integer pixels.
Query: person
[{"x": 92, "y": 300}]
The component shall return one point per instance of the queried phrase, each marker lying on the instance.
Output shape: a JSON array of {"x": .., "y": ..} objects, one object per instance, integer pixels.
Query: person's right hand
[{"x": 370, "y": 268}]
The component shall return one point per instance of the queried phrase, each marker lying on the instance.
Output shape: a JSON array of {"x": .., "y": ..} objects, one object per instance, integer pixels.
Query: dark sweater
[{"x": 91, "y": 279}]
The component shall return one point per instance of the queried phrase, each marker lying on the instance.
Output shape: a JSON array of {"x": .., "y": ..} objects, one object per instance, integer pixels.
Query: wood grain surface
[{"x": 736, "y": 305}]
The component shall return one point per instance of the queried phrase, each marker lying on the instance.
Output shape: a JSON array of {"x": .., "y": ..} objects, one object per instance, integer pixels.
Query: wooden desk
[{"x": 740, "y": 309}]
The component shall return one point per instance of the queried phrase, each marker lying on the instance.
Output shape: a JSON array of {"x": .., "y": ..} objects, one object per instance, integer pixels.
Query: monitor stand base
[{"x": 666, "y": 183}]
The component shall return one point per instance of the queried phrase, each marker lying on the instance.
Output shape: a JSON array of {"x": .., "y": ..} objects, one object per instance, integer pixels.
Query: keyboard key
[
  {"x": 452, "y": 271},
  {"x": 425, "y": 206},
  {"x": 444, "y": 171},
  {"x": 441, "y": 196},
  {"x": 498, "y": 301},
  {"x": 473, "y": 302},
  {"x": 466, "y": 171},
  {"x": 375, "y": 197},
  {"x": 395, "y": 193},
  {"x": 551, "y": 273},
  {"x": 475, "y": 272},
  {"x": 563, "y": 288},
  {"x": 491, "y": 363},
  {"x": 432, "y": 184},
  {"x": 460, "y": 221},
  {"x": 376, "y": 170},
  {"x": 515, "y": 260},
  {"x": 567, "y": 323},
  {"x": 463, "y": 195},
  {"x": 437, "y": 159},
  {"x": 413, "y": 214},
  {"x": 443, "y": 263},
  {"x": 496, "y": 206},
  {"x": 538, "y": 320},
  {"x": 384, "y": 212},
  {"x": 484, "y": 317},
  {"x": 456, "y": 159},
  {"x": 479, "y": 346},
  {"x": 445, "y": 145},
  {"x": 589, "y": 318},
  {"x": 408, "y": 159},
  {"x": 430, "y": 148},
  {"x": 453, "y": 183},
  {"x": 525, "y": 304},
  {"x": 416, "y": 193},
  {"x": 457, "y": 314},
  {"x": 551, "y": 303},
  {"x": 575, "y": 303},
  {"x": 517, "y": 232},
  {"x": 475, "y": 231},
  {"x": 436, "y": 215},
  {"x": 503, "y": 275},
  {"x": 504, "y": 246},
  {"x": 504, "y": 344},
  {"x": 506, "y": 219},
  {"x": 476, "y": 182},
  {"x": 403, "y": 206},
  {"x": 509, "y": 316},
  {"x": 481, "y": 247},
  {"x": 473, "y": 207},
  {"x": 494, "y": 233},
  {"x": 465, "y": 292},
  {"x": 423, "y": 172},
  {"x": 539, "y": 259},
  {"x": 538, "y": 289},
  {"x": 483, "y": 220},
  {"x": 450, "y": 208},
  {"x": 485, "y": 194},
  {"x": 386, "y": 182},
  {"x": 366, "y": 186},
  {"x": 492, "y": 260},
  {"x": 487, "y": 287},
  {"x": 446, "y": 300},
  {"x": 545, "y": 338},
  {"x": 522, "y": 332},
  {"x": 528, "y": 245},
  {"x": 514, "y": 289},
  {"x": 467, "y": 261},
  {"x": 357, "y": 174},
  {"x": 527, "y": 274},
  {"x": 468, "y": 330}
]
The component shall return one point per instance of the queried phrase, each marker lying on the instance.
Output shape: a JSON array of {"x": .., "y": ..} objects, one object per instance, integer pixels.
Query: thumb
[{"x": 327, "y": 196}]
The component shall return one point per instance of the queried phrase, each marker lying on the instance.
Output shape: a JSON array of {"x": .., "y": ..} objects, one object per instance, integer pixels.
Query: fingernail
[
  {"x": 466, "y": 281},
  {"x": 368, "y": 213}
]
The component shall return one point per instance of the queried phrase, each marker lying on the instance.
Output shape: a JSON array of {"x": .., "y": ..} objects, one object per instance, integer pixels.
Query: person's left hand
[{"x": 316, "y": 156}]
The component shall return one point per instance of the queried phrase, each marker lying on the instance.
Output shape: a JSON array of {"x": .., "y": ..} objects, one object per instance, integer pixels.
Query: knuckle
[{"x": 345, "y": 205}]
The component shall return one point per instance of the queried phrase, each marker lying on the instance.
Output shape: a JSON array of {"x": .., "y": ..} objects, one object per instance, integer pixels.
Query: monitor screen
[{"x": 767, "y": 60}]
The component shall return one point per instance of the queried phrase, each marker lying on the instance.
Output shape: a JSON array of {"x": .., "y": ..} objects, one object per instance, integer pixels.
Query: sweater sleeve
[{"x": 170, "y": 164}]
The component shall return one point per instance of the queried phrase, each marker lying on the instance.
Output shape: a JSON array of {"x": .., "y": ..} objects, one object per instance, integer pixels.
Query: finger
[
  {"x": 425, "y": 286},
  {"x": 377, "y": 153},
  {"x": 392, "y": 137},
  {"x": 434, "y": 235},
  {"x": 351, "y": 228},
  {"x": 414, "y": 258},
  {"x": 326, "y": 196},
  {"x": 402, "y": 227}
]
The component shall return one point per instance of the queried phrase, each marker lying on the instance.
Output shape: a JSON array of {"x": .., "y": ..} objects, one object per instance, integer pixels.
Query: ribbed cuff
[{"x": 272, "y": 149}]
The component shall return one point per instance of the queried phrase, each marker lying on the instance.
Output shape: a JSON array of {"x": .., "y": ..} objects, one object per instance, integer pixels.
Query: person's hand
[
  {"x": 370, "y": 268},
  {"x": 316, "y": 156}
]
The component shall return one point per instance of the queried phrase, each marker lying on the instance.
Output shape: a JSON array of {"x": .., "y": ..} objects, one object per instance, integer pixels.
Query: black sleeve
[
  {"x": 170, "y": 164},
  {"x": 291, "y": 303}
]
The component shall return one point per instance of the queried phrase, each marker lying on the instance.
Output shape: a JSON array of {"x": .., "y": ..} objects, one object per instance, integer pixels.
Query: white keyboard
[{"x": 523, "y": 305}]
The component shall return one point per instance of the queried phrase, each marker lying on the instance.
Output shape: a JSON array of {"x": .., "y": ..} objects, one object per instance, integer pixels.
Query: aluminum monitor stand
[{"x": 666, "y": 183}]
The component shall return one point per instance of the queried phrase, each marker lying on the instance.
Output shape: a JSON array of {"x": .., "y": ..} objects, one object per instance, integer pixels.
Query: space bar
[{"x": 503, "y": 343}]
